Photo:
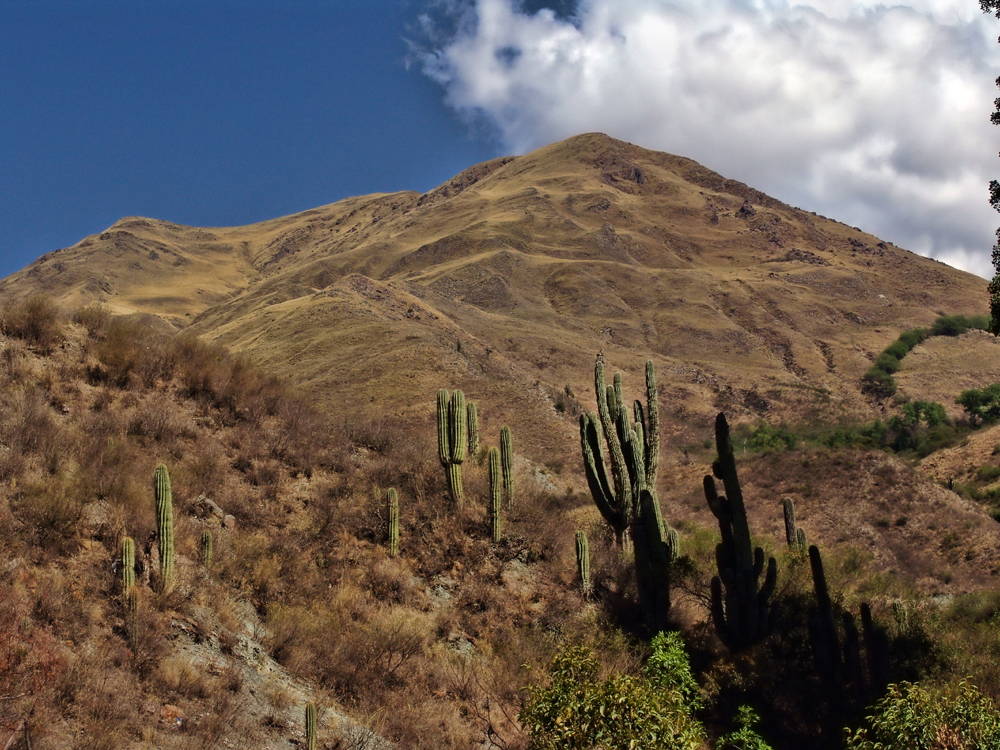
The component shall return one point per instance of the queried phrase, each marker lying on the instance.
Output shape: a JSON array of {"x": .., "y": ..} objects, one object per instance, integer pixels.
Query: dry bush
[
  {"x": 35, "y": 320},
  {"x": 94, "y": 318},
  {"x": 119, "y": 352},
  {"x": 177, "y": 675},
  {"x": 50, "y": 512},
  {"x": 203, "y": 471},
  {"x": 389, "y": 581},
  {"x": 27, "y": 423},
  {"x": 158, "y": 418}
]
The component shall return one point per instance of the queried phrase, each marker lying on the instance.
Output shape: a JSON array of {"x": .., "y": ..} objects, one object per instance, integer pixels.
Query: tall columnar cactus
[
  {"x": 164, "y": 525},
  {"x": 310, "y": 726},
  {"x": 507, "y": 464},
  {"x": 841, "y": 666},
  {"x": 741, "y": 615},
  {"x": 633, "y": 448},
  {"x": 128, "y": 564},
  {"x": 452, "y": 421},
  {"x": 392, "y": 512},
  {"x": 473, "y": 428},
  {"x": 794, "y": 536},
  {"x": 496, "y": 495},
  {"x": 583, "y": 561},
  {"x": 656, "y": 548},
  {"x": 205, "y": 548}
]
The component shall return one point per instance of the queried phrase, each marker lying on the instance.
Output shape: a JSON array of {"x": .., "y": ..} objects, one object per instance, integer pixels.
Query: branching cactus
[
  {"x": 794, "y": 536},
  {"x": 841, "y": 666},
  {"x": 507, "y": 464},
  {"x": 310, "y": 726},
  {"x": 473, "y": 427},
  {"x": 392, "y": 512},
  {"x": 452, "y": 419},
  {"x": 496, "y": 495},
  {"x": 742, "y": 613},
  {"x": 583, "y": 562},
  {"x": 633, "y": 449},
  {"x": 164, "y": 526},
  {"x": 205, "y": 548},
  {"x": 128, "y": 564}
]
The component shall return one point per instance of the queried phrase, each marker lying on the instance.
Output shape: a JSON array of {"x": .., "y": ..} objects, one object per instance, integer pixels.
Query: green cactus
[
  {"x": 656, "y": 547},
  {"x": 473, "y": 428},
  {"x": 392, "y": 512},
  {"x": 583, "y": 562},
  {"x": 164, "y": 526},
  {"x": 128, "y": 564},
  {"x": 452, "y": 421},
  {"x": 742, "y": 615},
  {"x": 794, "y": 536},
  {"x": 310, "y": 726},
  {"x": 840, "y": 666},
  {"x": 205, "y": 548},
  {"x": 132, "y": 615},
  {"x": 507, "y": 464},
  {"x": 633, "y": 448},
  {"x": 496, "y": 495}
]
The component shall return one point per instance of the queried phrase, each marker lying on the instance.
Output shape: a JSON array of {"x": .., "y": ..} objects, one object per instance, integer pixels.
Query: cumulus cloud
[{"x": 874, "y": 115}]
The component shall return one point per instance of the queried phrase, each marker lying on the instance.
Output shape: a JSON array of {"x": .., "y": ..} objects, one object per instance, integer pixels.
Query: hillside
[{"x": 508, "y": 281}]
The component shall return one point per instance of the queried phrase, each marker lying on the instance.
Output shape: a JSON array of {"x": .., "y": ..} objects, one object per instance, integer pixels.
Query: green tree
[
  {"x": 579, "y": 711},
  {"x": 993, "y": 6}
]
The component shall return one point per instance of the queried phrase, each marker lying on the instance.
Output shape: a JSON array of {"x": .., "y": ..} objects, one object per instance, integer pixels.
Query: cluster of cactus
[
  {"x": 310, "y": 726},
  {"x": 841, "y": 666},
  {"x": 741, "y": 604},
  {"x": 205, "y": 548},
  {"x": 627, "y": 500},
  {"x": 496, "y": 496},
  {"x": 507, "y": 465},
  {"x": 583, "y": 562},
  {"x": 392, "y": 515},
  {"x": 164, "y": 526},
  {"x": 794, "y": 536},
  {"x": 452, "y": 422}
]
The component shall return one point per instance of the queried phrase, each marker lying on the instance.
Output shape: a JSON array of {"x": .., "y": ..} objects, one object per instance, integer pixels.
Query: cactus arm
[
  {"x": 619, "y": 470},
  {"x": 205, "y": 548},
  {"x": 456, "y": 427},
  {"x": 444, "y": 450},
  {"x": 164, "y": 525},
  {"x": 473, "y": 427},
  {"x": 597, "y": 478},
  {"x": 310, "y": 726},
  {"x": 652, "y": 424},
  {"x": 725, "y": 469},
  {"x": 507, "y": 463},
  {"x": 496, "y": 495},
  {"x": 128, "y": 564},
  {"x": 652, "y": 562},
  {"x": 392, "y": 511}
]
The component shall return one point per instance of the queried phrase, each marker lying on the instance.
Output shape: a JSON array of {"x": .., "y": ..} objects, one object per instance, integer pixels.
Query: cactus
[
  {"x": 794, "y": 536},
  {"x": 128, "y": 564},
  {"x": 164, "y": 526},
  {"x": 742, "y": 615},
  {"x": 633, "y": 448},
  {"x": 841, "y": 666},
  {"x": 205, "y": 548},
  {"x": 132, "y": 615},
  {"x": 583, "y": 562},
  {"x": 656, "y": 548},
  {"x": 473, "y": 428},
  {"x": 496, "y": 495},
  {"x": 392, "y": 512},
  {"x": 310, "y": 726},
  {"x": 507, "y": 464},
  {"x": 452, "y": 420}
]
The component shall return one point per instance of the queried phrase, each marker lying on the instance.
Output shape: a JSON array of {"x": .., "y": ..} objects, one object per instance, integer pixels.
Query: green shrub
[
  {"x": 577, "y": 710},
  {"x": 981, "y": 404},
  {"x": 955, "y": 325},
  {"x": 768, "y": 437},
  {"x": 745, "y": 737},
  {"x": 913, "y": 717}
]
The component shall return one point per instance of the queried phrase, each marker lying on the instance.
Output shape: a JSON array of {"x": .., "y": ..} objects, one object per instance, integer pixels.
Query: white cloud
[{"x": 876, "y": 116}]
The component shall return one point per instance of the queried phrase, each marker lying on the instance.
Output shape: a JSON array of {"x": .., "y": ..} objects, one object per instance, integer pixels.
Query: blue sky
[
  {"x": 224, "y": 112},
  {"x": 209, "y": 113}
]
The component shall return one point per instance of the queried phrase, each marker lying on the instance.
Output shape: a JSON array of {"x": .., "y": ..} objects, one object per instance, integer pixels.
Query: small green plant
[
  {"x": 914, "y": 717},
  {"x": 577, "y": 710},
  {"x": 745, "y": 737}
]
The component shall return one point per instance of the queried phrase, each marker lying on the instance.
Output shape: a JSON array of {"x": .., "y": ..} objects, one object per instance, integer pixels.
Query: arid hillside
[{"x": 509, "y": 279}]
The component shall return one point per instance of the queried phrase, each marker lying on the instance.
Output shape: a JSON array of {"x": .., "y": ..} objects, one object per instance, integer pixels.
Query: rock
[
  {"x": 746, "y": 210},
  {"x": 206, "y": 507},
  {"x": 172, "y": 715},
  {"x": 229, "y": 522}
]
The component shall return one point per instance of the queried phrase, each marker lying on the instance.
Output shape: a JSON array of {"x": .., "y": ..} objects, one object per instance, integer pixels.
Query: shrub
[
  {"x": 94, "y": 318},
  {"x": 955, "y": 325},
  {"x": 768, "y": 437},
  {"x": 913, "y": 717},
  {"x": 36, "y": 320},
  {"x": 981, "y": 404},
  {"x": 579, "y": 710}
]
